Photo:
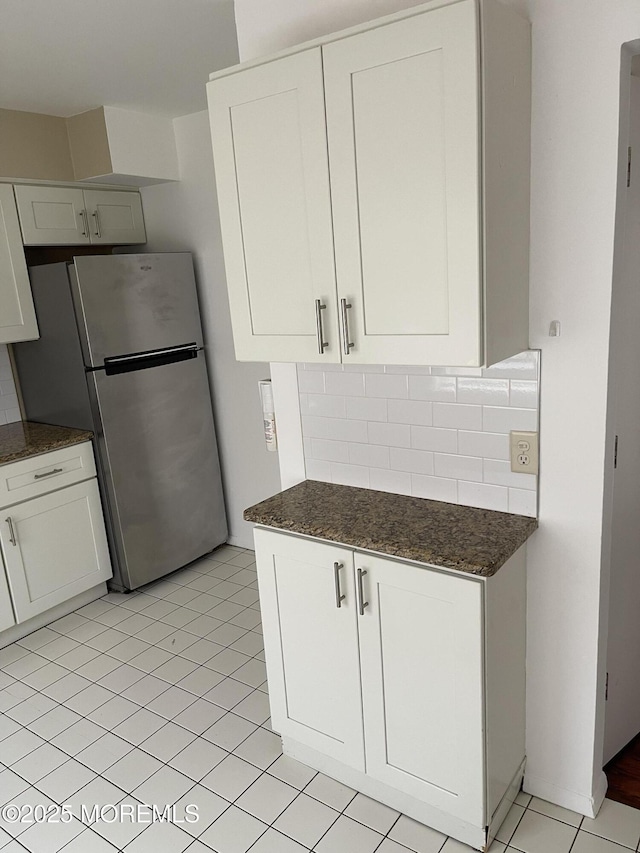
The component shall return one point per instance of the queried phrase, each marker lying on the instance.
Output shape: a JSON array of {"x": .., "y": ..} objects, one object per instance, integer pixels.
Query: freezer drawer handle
[
  {"x": 48, "y": 473},
  {"x": 12, "y": 532}
]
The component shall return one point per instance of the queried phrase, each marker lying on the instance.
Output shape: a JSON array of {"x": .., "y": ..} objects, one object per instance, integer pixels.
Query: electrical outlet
[{"x": 524, "y": 452}]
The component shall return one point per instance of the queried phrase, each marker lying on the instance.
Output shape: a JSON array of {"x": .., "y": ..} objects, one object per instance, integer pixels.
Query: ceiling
[{"x": 62, "y": 57}]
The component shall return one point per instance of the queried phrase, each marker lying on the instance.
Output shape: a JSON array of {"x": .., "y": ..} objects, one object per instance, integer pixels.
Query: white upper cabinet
[
  {"x": 395, "y": 158},
  {"x": 71, "y": 216},
  {"x": 272, "y": 176},
  {"x": 17, "y": 315}
]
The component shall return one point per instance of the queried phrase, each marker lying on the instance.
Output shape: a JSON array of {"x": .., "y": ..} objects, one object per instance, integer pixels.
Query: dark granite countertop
[
  {"x": 476, "y": 541},
  {"x": 25, "y": 438}
]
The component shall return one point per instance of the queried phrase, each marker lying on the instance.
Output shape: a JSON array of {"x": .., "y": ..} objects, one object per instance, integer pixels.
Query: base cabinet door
[
  {"x": 310, "y": 634},
  {"x": 421, "y": 654},
  {"x": 54, "y": 547}
]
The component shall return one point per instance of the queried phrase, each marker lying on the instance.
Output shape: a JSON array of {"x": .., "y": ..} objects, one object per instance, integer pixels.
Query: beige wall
[
  {"x": 34, "y": 146},
  {"x": 88, "y": 144}
]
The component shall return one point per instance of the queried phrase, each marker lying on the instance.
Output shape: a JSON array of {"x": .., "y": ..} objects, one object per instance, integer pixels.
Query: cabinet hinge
[
  {"x": 629, "y": 166},
  {"x": 606, "y": 688},
  {"x": 615, "y": 453}
]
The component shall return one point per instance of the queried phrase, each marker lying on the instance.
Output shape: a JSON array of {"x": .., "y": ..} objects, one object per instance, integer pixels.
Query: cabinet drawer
[{"x": 29, "y": 478}]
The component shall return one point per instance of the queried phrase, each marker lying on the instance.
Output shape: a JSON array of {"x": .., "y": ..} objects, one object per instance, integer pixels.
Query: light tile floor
[{"x": 159, "y": 697}]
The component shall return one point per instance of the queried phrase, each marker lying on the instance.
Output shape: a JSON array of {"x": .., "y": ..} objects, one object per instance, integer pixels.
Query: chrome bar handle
[
  {"x": 47, "y": 473},
  {"x": 97, "y": 232},
  {"x": 336, "y": 577},
  {"x": 346, "y": 343},
  {"x": 361, "y": 602},
  {"x": 12, "y": 532},
  {"x": 322, "y": 344},
  {"x": 85, "y": 223}
]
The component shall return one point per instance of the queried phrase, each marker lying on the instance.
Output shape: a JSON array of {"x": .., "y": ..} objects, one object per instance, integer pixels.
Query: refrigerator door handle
[
  {"x": 155, "y": 358},
  {"x": 140, "y": 356}
]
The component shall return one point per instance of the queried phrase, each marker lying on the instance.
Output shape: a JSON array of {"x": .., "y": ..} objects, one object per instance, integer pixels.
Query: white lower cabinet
[
  {"x": 379, "y": 675},
  {"x": 54, "y": 544}
]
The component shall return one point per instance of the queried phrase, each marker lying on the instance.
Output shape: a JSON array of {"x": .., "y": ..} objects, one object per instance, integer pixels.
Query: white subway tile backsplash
[
  {"x": 523, "y": 502},
  {"x": 349, "y": 384},
  {"x": 410, "y": 412},
  {"x": 431, "y": 438},
  {"x": 310, "y": 382},
  {"x": 524, "y": 393},
  {"x": 385, "y": 385},
  {"x": 434, "y": 488},
  {"x": 440, "y": 389},
  {"x": 490, "y": 392},
  {"x": 386, "y": 480},
  {"x": 412, "y": 461},
  {"x": 483, "y": 496},
  {"x": 458, "y": 467},
  {"x": 366, "y": 409},
  {"x": 393, "y": 435},
  {"x": 317, "y": 470},
  {"x": 434, "y": 432},
  {"x": 326, "y": 406},
  {"x": 330, "y": 451},
  {"x": 500, "y": 474},
  {"x": 495, "y": 419},
  {"x": 334, "y": 428},
  {"x": 350, "y": 475},
  {"x": 371, "y": 455},
  {"x": 457, "y": 416},
  {"x": 490, "y": 445}
]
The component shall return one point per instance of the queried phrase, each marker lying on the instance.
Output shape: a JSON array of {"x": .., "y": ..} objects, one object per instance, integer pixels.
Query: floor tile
[
  {"x": 228, "y": 693},
  {"x": 68, "y": 686},
  {"x": 229, "y": 731},
  {"x": 13, "y": 694},
  {"x": 198, "y": 758},
  {"x": 176, "y": 669},
  {"x": 11, "y": 785},
  {"x": 164, "y": 787},
  {"x": 329, "y": 792},
  {"x": 145, "y": 689},
  {"x": 129, "y": 648},
  {"x": 209, "y": 807},
  {"x": 89, "y": 699},
  {"x": 254, "y": 707},
  {"x": 306, "y": 820},
  {"x": 226, "y": 661},
  {"x": 415, "y": 836},
  {"x": 104, "y": 752},
  {"x": 12, "y": 653},
  {"x": 200, "y": 681},
  {"x": 172, "y": 702},
  {"x": 51, "y": 837},
  {"x": 113, "y": 712},
  {"x": 371, "y": 813},
  {"x": 346, "y": 835},
  {"x": 39, "y": 763},
  {"x": 45, "y": 676},
  {"x": 105, "y": 641},
  {"x": 538, "y": 833},
  {"x": 139, "y": 726},
  {"x": 132, "y": 770},
  {"x": 616, "y": 822},
  {"x": 66, "y": 780},
  {"x": 119, "y": 678},
  {"x": 199, "y": 716},
  {"x": 151, "y": 659},
  {"x": 275, "y": 842},
  {"x": 509, "y": 824},
  {"x": 261, "y": 748},
  {"x": 293, "y": 773},
  {"x": 587, "y": 843},
  {"x": 556, "y": 812},
  {"x": 231, "y": 778},
  {"x": 253, "y": 673},
  {"x": 78, "y": 736},
  {"x": 233, "y": 832},
  {"x": 29, "y": 663},
  {"x": 77, "y": 657},
  {"x": 31, "y": 709},
  {"x": 267, "y": 798},
  {"x": 37, "y": 639},
  {"x": 164, "y": 837},
  {"x": 167, "y": 741},
  {"x": 97, "y": 793},
  {"x": 89, "y": 842},
  {"x": 201, "y": 651}
]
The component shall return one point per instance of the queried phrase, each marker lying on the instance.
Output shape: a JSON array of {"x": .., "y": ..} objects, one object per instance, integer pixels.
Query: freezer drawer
[{"x": 157, "y": 450}]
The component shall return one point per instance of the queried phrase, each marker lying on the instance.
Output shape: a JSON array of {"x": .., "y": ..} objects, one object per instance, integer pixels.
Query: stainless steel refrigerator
[{"x": 121, "y": 353}]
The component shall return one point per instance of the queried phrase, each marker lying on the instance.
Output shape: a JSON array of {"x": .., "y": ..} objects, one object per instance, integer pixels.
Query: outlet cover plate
[{"x": 523, "y": 447}]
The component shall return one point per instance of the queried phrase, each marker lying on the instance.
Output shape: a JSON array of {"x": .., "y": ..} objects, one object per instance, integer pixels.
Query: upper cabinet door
[
  {"x": 269, "y": 142},
  {"x": 403, "y": 132},
  {"x": 421, "y": 656},
  {"x": 114, "y": 217},
  {"x": 17, "y": 315},
  {"x": 52, "y": 216}
]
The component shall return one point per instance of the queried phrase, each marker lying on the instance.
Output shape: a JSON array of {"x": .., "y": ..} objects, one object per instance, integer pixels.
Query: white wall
[
  {"x": 576, "y": 69},
  {"x": 184, "y": 216}
]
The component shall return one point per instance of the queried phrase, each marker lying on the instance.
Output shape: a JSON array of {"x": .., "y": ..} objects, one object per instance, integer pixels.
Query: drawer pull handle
[
  {"x": 336, "y": 577},
  {"x": 48, "y": 473},
  {"x": 361, "y": 602},
  {"x": 12, "y": 532}
]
